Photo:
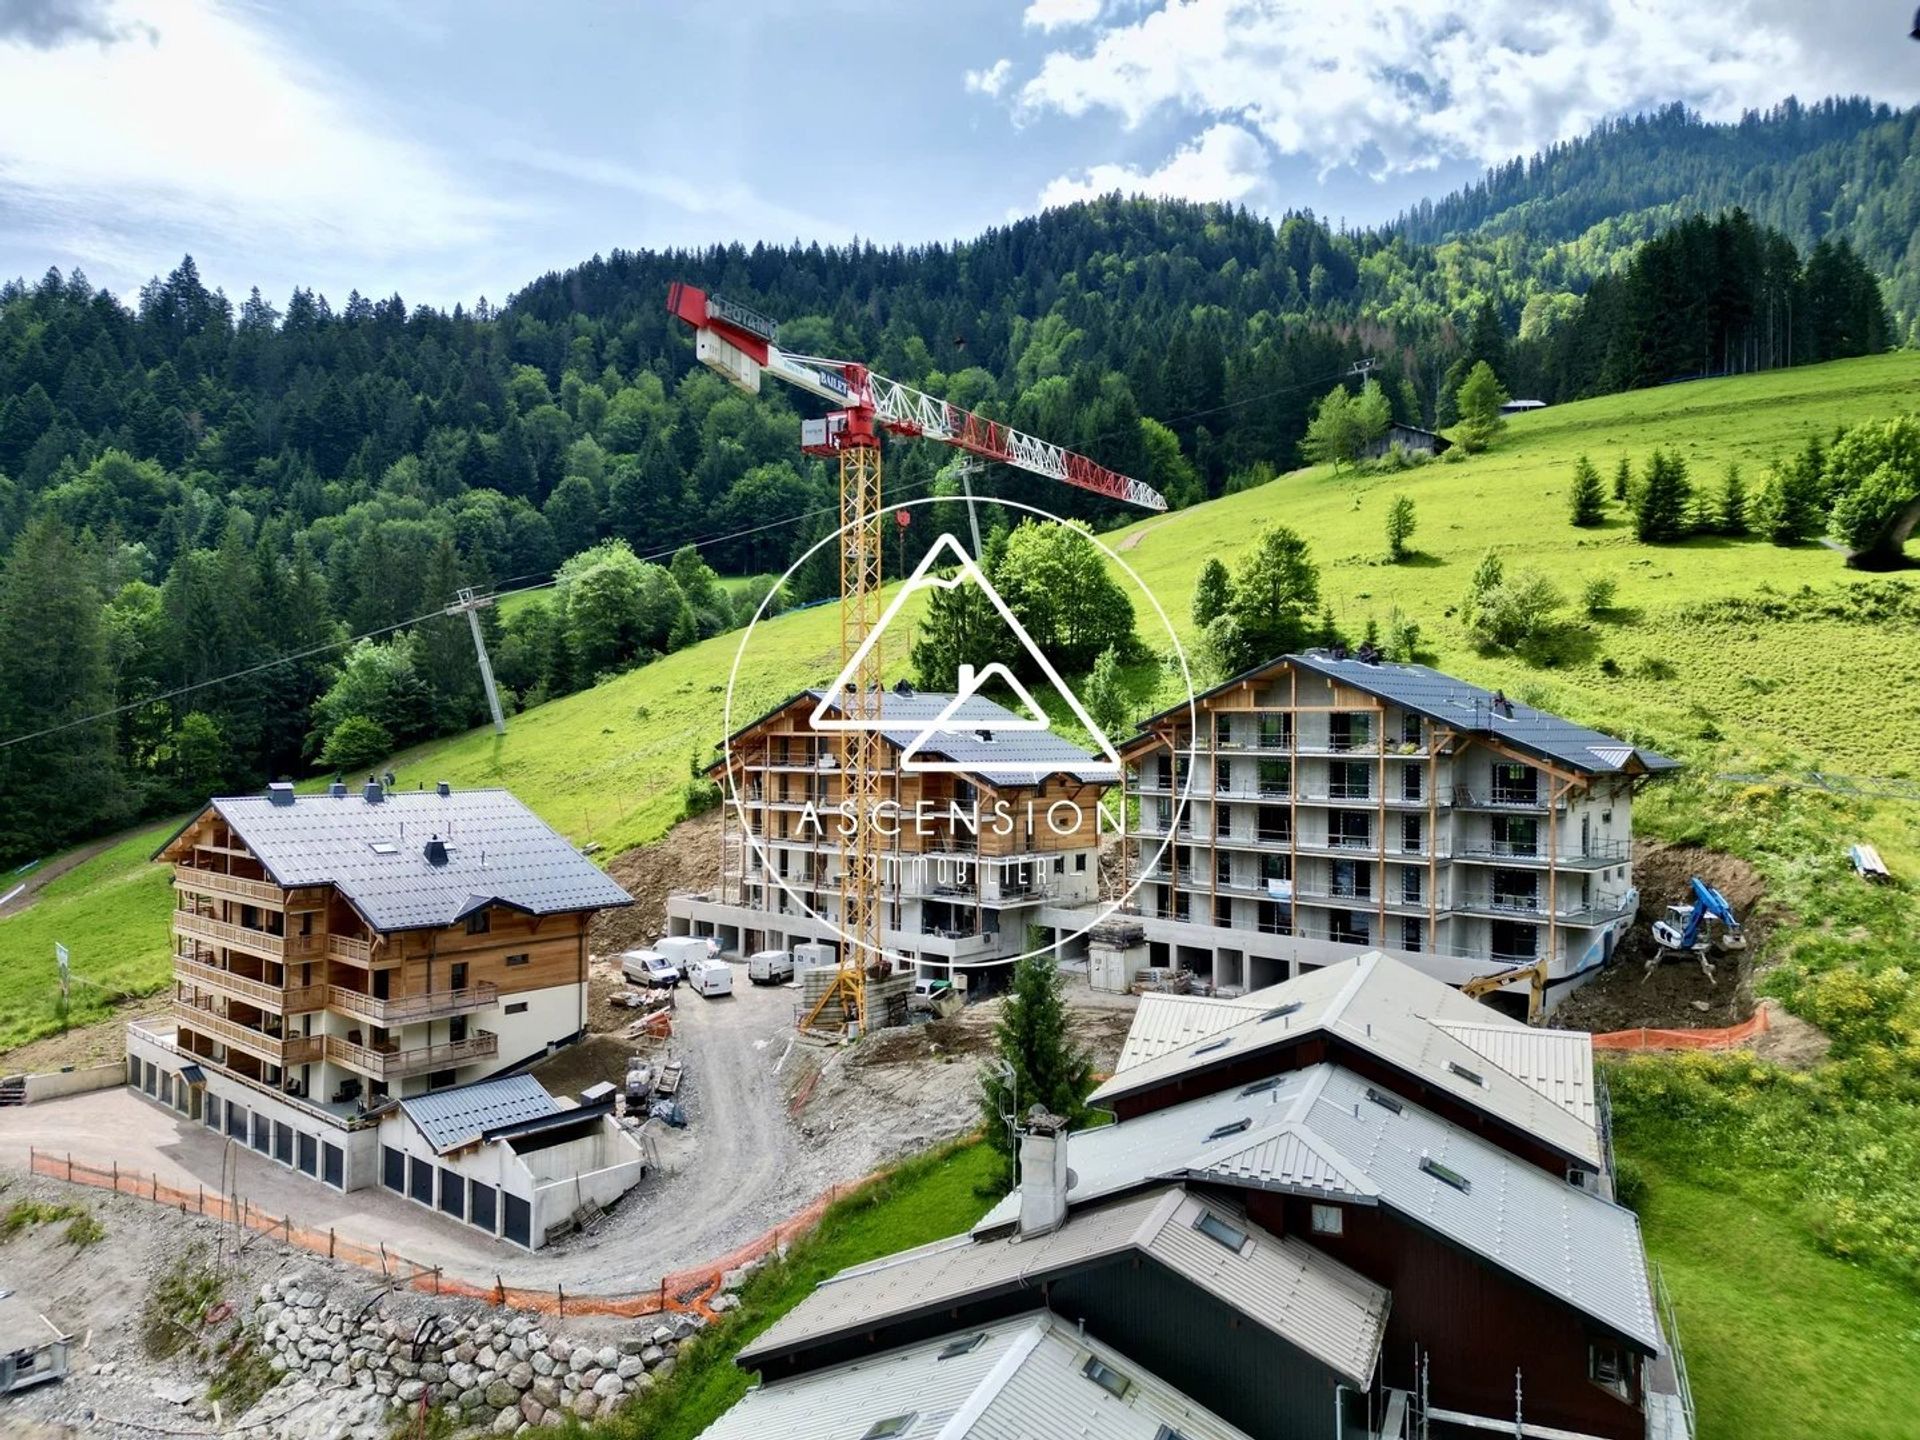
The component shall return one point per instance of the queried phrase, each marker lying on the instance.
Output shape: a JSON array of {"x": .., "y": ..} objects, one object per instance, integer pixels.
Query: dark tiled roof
[
  {"x": 463, "y": 1113},
  {"x": 498, "y": 852},
  {"x": 1009, "y": 757},
  {"x": 1465, "y": 707}
]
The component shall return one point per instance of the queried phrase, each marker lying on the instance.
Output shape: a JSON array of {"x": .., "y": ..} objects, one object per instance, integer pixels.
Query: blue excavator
[{"x": 1708, "y": 925}]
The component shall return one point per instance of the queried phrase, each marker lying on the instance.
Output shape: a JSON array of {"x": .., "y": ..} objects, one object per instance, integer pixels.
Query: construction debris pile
[{"x": 497, "y": 1372}]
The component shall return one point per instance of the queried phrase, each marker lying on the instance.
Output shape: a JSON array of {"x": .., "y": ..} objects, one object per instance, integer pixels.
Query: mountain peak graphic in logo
[{"x": 952, "y": 728}]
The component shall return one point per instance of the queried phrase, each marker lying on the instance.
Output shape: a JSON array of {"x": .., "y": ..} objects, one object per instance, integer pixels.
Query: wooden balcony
[
  {"x": 407, "y": 1009},
  {"x": 212, "y": 882},
  {"x": 268, "y": 946},
  {"x": 390, "y": 1062},
  {"x": 292, "y": 1050},
  {"x": 349, "y": 951},
  {"x": 281, "y": 999}
]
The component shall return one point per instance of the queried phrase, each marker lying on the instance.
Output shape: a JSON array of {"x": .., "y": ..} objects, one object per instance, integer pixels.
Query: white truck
[
  {"x": 710, "y": 978},
  {"x": 649, "y": 967},
  {"x": 685, "y": 950},
  {"x": 770, "y": 967}
]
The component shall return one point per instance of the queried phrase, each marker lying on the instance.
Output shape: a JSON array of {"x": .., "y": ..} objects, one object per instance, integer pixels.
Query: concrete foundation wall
[{"x": 56, "y": 1083}]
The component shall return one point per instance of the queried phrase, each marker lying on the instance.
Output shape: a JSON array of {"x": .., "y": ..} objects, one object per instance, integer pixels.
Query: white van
[
  {"x": 649, "y": 967},
  {"x": 770, "y": 967},
  {"x": 684, "y": 950},
  {"x": 710, "y": 977}
]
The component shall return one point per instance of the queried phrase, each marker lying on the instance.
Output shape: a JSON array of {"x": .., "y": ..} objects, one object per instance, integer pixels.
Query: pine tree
[
  {"x": 1732, "y": 517},
  {"x": 1480, "y": 398},
  {"x": 1212, "y": 592},
  {"x": 443, "y": 649},
  {"x": 1586, "y": 503},
  {"x": 1623, "y": 479},
  {"x": 1042, "y": 1065},
  {"x": 1401, "y": 523},
  {"x": 1660, "y": 514},
  {"x": 62, "y": 783}
]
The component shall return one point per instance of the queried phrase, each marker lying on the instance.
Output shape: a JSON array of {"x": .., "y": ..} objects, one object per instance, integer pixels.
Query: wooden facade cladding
[
  {"x": 249, "y": 956},
  {"x": 1474, "y": 1324}
]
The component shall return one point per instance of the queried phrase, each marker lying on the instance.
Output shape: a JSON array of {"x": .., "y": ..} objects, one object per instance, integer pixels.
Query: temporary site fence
[
  {"x": 687, "y": 1290},
  {"x": 1729, "y": 1037}
]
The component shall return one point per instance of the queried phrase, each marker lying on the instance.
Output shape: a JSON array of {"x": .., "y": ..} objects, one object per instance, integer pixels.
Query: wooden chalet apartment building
[
  {"x": 335, "y": 952},
  {"x": 1325, "y": 805},
  {"x": 1351, "y": 1206},
  {"x": 978, "y": 849}
]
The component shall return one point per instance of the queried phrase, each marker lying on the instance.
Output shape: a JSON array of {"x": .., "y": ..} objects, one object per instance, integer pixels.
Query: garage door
[
  {"x": 519, "y": 1221},
  {"x": 237, "y": 1122},
  {"x": 420, "y": 1175},
  {"x": 453, "y": 1194},
  {"x": 262, "y": 1132},
  {"x": 309, "y": 1152},
  {"x": 333, "y": 1166},
  {"x": 212, "y": 1113},
  {"x": 481, "y": 1200},
  {"x": 283, "y": 1143},
  {"x": 393, "y": 1169}
]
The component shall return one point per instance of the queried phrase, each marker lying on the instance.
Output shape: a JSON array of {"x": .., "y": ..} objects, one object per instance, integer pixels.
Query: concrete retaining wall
[{"x": 56, "y": 1083}]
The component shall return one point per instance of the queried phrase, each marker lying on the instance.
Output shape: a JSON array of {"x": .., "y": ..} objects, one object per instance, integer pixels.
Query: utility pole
[{"x": 470, "y": 605}]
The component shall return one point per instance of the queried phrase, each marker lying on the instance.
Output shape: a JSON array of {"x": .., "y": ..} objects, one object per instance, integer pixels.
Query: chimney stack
[
  {"x": 436, "y": 851},
  {"x": 338, "y": 789},
  {"x": 280, "y": 792},
  {"x": 443, "y": 788},
  {"x": 1044, "y": 1177},
  {"x": 373, "y": 792}
]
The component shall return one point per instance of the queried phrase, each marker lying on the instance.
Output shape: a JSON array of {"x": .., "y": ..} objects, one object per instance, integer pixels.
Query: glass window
[{"x": 1328, "y": 1220}]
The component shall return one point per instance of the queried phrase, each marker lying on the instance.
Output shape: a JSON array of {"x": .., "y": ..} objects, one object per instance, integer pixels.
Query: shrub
[
  {"x": 1629, "y": 1184},
  {"x": 356, "y": 742},
  {"x": 1596, "y": 597}
]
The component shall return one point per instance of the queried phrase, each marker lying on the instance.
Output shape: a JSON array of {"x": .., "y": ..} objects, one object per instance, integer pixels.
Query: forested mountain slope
[{"x": 1839, "y": 169}]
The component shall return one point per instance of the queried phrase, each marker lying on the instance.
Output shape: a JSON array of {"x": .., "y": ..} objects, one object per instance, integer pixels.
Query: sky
[{"x": 449, "y": 149}]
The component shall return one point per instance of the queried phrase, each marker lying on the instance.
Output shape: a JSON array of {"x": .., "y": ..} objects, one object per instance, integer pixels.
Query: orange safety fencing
[
  {"x": 1727, "y": 1038},
  {"x": 686, "y": 1290}
]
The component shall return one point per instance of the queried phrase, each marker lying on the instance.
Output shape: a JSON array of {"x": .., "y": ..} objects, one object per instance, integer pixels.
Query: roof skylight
[
  {"x": 1214, "y": 1228},
  {"x": 1213, "y": 1045},
  {"x": 1234, "y": 1127},
  {"x": 1445, "y": 1174}
]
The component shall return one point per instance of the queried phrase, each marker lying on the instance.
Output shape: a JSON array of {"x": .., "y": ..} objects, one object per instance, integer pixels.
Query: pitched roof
[
  {"x": 1411, "y": 1021},
  {"x": 498, "y": 852},
  {"x": 1024, "y": 1377},
  {"x": 1280, "y": 1283},
  {"x": 1463, "y": 707},
  {"x": 978, "y": 736},
  {"x": 1322, "y": 1132},
  {"x": 463, "y": 1114}
]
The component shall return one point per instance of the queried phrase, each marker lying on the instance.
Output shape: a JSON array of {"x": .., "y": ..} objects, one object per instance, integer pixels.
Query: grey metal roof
[
  {"x": 1023, "y": 1379},
  {"x": 465, "y": 1113},
  {"x": 1282, "y": 1284},
  {"x": 1460, "y": 706},
  {"x": 1466, "y": 707},
  {"x": 1009, "y": 757},
  {"x": 1319, "y": 1133},
  {"x": 1390, "y": 1010},
  {"x": 498, "y": 853}
]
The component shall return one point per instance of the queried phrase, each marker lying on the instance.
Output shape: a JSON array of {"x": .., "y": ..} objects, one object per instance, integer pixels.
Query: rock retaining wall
[{"x": 499, "y": 1369}]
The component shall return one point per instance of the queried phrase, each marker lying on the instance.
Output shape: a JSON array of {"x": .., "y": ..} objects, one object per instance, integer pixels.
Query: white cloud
[
  {"x": 992, "y": 80},
  {"x": 1400, "y": 85},
  {"x": 200, "y": 131},
  {"x": 730, "y": 210},
  {"x": 1057, "y": 14},
  {"x": 1225, "y": 162}
]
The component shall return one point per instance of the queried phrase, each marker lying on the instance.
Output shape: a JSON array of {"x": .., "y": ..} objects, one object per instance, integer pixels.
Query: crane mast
[{"x": 741, "y": 346}]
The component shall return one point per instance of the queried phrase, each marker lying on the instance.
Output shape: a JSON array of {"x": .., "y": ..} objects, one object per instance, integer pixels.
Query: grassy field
[{"x": 1782, "y": 1341}]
